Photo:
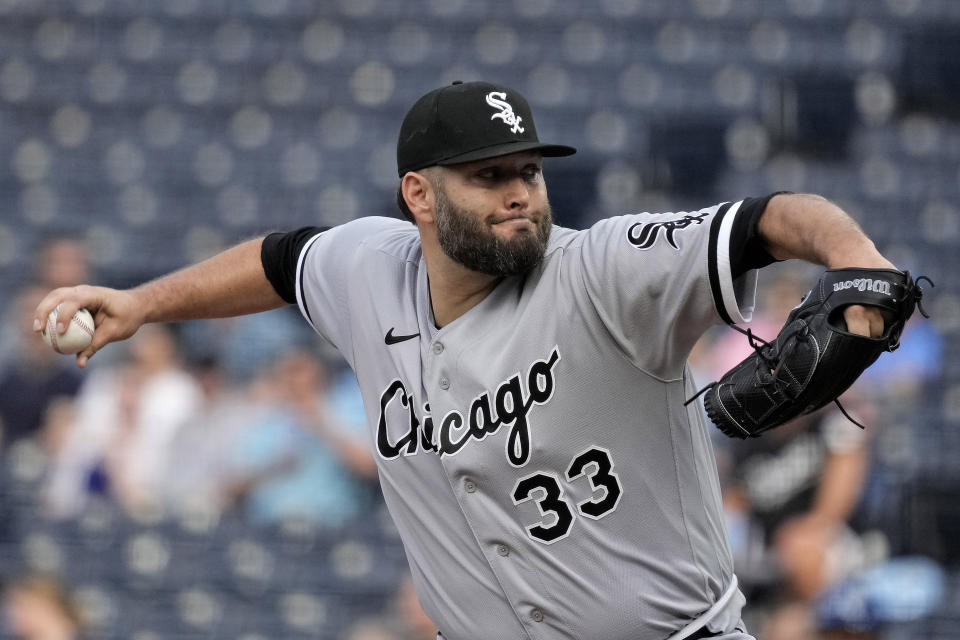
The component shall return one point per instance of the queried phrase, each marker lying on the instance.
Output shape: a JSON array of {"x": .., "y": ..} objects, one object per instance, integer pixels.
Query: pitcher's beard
[{"x": 466, "y": 238}]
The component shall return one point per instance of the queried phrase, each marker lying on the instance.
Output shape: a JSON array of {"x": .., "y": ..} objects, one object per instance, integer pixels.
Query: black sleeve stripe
[
  {"x": 712, "y": 266},
  {"x": 746, "y": 246},
  {"x": 279, "y": 255}
]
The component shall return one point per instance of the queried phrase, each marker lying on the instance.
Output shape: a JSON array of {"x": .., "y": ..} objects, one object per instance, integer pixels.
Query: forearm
[
  {"x": 840, "y": 486},
  {"x": 228, "y": 284},
  {"x": 814, "y": 229}
]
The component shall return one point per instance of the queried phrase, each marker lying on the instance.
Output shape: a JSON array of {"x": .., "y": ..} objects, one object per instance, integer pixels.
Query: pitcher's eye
[{"x": 531, "y": 173}]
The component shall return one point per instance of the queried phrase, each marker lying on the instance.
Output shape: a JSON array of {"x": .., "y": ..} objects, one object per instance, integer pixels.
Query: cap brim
[{"x": 494, "y": 151}]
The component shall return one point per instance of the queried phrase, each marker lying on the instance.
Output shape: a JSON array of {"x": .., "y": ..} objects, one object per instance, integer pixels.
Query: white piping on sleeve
[
  {"x": 301, "y": 301},
  {"x": 724, "y": 274}
]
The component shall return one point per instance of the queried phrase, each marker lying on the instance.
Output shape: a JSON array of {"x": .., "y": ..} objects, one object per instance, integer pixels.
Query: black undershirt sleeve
[
  {"x": 746, "y": 247},
  {"x": 279, "y": 254}
]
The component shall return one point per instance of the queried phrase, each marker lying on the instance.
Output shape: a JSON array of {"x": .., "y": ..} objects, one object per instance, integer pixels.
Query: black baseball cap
[{"x": 468, "y": 121}]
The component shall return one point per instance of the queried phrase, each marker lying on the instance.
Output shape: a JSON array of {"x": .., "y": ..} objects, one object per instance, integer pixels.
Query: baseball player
[{"x": 524, "y": 383}]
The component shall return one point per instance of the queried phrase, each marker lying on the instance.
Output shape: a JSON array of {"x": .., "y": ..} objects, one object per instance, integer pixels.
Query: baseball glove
[{"x": 814, "y": 358}]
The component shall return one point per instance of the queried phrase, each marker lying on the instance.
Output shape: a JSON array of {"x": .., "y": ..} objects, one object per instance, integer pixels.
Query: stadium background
[{"x": 159, "y": 132}]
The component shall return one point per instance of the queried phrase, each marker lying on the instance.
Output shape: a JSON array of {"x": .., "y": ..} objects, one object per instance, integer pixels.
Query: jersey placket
[{"x": 504, "y": 552}]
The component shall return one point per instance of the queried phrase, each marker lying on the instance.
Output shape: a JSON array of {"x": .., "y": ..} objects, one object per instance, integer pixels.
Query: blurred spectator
[
  {"x": 127, "y": 416},
  {"x": 345, "y": 399},
  {"x": 38, "y": 608},
  {"x": 373, "y": 629},
  {"x": 412, "y": 615},
  {"x": 795, "y": 491},
  {"x": 901, "y": 591},
  {"x": 34, "y": 376},
  {"x": 199, "y": 463},
  {"x": 245, "y": 345},
  {"x": 60, "y": 261},
  {"x": 296, "y": 459},
  {"x": 405, "y": 620},
  {"x": 898, "y": 379}
]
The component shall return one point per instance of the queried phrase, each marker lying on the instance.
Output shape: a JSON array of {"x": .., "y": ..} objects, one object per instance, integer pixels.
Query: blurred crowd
[
  {"x": 165, "y": 421},
  {"x": 244, "y": 417},
  {"x": 249, "y": 417}
]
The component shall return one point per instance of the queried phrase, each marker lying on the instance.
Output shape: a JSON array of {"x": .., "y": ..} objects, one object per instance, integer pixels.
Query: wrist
[
  {"x": 141, "y": 305},
  {"x": 862, "y": 254}
]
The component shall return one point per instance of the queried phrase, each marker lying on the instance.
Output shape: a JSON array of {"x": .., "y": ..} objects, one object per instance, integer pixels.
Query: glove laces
[{"x": 769, "y": 367}]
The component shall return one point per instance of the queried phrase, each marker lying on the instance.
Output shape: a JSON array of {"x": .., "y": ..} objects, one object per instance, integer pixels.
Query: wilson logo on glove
[{"x": 864, "y": 284}]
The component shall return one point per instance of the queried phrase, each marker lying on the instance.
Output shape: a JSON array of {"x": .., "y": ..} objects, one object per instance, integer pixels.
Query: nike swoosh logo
[{"x": 392, "y": 339}]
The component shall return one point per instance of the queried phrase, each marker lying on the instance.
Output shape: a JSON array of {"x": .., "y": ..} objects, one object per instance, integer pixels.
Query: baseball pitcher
[{"x": 526, "y": 385}]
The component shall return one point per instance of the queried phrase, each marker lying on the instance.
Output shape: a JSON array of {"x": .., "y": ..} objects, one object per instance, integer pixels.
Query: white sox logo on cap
[
  {"x": 498, "y": 100},
  {"x": 453, "y": 124}
]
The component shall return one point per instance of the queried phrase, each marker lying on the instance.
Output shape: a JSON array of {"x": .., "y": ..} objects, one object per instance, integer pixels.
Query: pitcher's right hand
[{"x": 117, "y": 314}]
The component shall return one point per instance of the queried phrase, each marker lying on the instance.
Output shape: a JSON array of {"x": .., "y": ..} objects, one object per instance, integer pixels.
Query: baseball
[{"x": 75, "y": 339}]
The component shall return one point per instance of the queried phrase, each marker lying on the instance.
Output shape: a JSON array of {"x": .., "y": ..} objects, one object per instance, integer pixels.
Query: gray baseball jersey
[{"x": 536, "y": 454}]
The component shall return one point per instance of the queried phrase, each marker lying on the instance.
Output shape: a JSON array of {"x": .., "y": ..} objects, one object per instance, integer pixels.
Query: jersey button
[
  {"x": 444, "y": 384},
  {"x": 536, "y": 615},
  {"x": 438, "y": 348},
  {"x": 503, "y": 550},
  {"x": 469, "y": 486}
]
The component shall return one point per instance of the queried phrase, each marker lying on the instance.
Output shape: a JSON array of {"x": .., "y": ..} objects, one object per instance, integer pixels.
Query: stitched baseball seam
[
  {"x": 53, "y": 333},
  {"x": 81, "y": 322}
]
